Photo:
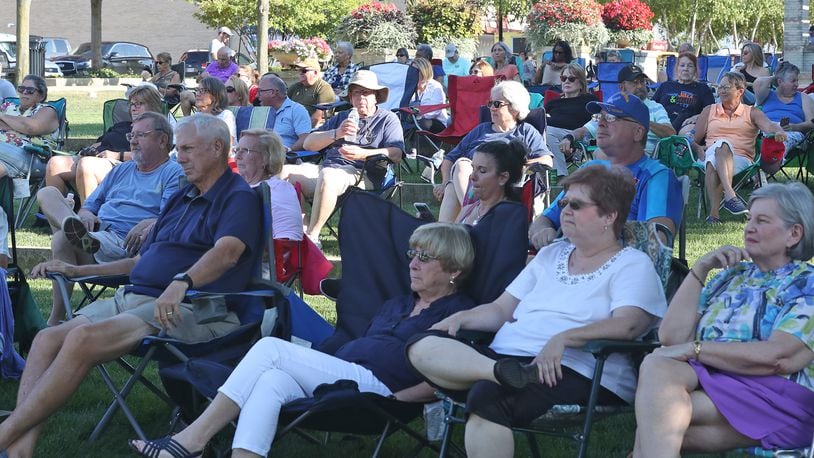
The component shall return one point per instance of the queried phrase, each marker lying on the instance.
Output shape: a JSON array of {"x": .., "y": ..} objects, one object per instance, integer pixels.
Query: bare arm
[
  {"x": 120, "y": 267},
  {"x": 298, "y": 145},
  {"x": 44, "y": 122},
  {"x": 808, "y": 112},
  {"x": 767, "y": 125},
  {"x": 542, "y": 232},
  {"x": 762, "y": 87},
  {"x": 487, "y": 317},
  {"x": 701, "y": 133},
  {"x": 422, "y": 392},
  {"x": 662, "y": 129}
]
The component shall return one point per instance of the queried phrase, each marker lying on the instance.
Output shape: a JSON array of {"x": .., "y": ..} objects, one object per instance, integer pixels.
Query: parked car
[
  {"x": 8, "y": 56},
  {"x": 120, "y": 56},
  {"x": 56, "y": 47}
]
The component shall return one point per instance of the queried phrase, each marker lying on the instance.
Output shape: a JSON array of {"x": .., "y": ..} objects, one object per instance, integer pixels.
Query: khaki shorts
[{"x": 144, "y": 306}]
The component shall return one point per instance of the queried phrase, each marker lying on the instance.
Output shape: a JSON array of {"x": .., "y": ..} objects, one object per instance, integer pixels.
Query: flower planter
[{"x": 286, "y": 59}]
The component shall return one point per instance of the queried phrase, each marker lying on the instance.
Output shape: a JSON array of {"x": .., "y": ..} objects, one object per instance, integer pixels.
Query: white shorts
[
  {"x": 739, "y": 162},
  {"x": 111, "y": 247}
]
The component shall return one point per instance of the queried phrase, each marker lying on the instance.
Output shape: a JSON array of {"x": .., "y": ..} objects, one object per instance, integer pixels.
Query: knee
[
  {"x": 419, "y": 351},
  {"x": 81, "y": 343},
  {"x": 330, "y": 180},
  {"x": 47, "y": 340},
  {"x": 655, "y": 371}
]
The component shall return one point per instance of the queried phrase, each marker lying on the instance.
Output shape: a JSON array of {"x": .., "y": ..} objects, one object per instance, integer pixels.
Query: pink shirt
[{"x": 739, "y": 130}]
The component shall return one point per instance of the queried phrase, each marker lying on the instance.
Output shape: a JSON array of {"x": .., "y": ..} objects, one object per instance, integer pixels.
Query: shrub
[
  {"x": 627, "y": 15},
  {"x": 445, "y": 19},
  {"x": 579, "y": 22},
  {"x": 377, "y": 25}
]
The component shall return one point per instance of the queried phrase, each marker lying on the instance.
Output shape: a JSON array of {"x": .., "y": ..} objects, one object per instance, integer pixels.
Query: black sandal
[
  {"x": 511, "y": 373},
  {"x": 152, "y": 448}
]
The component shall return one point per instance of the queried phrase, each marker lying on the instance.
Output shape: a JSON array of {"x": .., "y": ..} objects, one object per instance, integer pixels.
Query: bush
[
  {"x": 377, "y": 26},
  {"x": 579, "y": 22},
  {"x": 105, "y": 73},
  {"x": 627, "y": 15},
  {"x": 445, "y": 19}
]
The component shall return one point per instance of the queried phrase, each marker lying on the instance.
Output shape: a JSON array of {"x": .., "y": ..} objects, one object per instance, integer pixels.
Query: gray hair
[
  {"x": 517, "y": 95},
  {"x": 424, "y": 50},
  {"x": 209, "y": 127},
  {"x": 450, "y": 243},
  {"x": 272, "y": 147},
  {"x": 160, "y": 124},
  {"x": 39, "y": 82},
  {"x": 795, "y": 205},
  {"x": 345, "y": 46},
  {"x": 277, "y": 83},
  {"x": 736, "y": 78},
  {"x": 785, "y": 70}
]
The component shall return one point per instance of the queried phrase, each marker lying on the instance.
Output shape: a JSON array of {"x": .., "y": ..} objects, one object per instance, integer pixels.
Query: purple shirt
[{"x": 223, "y": 74}]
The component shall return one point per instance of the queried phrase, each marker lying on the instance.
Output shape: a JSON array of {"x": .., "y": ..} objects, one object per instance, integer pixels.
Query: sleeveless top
[
  {"x": 776, "y": 109},
  {"x": 162, "y": 81},
  {"x": 739, "y": 130}
]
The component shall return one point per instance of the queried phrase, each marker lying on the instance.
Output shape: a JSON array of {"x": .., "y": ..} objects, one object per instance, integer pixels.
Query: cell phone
[
  {"x": 784, "y": 121},
  {"x": 424, "y": 212}
]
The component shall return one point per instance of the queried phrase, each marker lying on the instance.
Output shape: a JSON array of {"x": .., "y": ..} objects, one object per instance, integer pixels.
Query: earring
[
  {"x": 605, "y": 227},
  {"x": 451, "y": 280}
]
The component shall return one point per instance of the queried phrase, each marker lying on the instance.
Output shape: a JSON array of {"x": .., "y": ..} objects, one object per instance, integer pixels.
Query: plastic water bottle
[
  {"x": 434, "y": 420},
  {"x": 353, "y": 117},
  {"x": 69, "y": 200},
  {"x": 438, "y": 158}
]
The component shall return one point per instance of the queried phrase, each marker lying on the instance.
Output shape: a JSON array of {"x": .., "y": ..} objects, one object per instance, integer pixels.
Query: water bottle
[
  {"x": 434, "y": 420},
  {"x": 353, "y": 117},
  {"x": 438, "y": 158},
  {"x": 69, "y": 200}
]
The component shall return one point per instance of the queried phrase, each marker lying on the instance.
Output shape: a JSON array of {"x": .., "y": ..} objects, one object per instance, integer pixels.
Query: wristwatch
[{"x": 184, "y": 277}]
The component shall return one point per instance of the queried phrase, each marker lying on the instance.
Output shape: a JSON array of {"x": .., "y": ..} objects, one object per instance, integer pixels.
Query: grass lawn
[{"x": 65, "y": 434}]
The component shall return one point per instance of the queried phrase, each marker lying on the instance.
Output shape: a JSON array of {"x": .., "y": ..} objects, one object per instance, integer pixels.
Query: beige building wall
[{"x": 161, "y": 25}]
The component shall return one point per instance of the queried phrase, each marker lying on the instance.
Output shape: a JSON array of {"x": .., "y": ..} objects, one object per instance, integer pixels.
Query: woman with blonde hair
[
  {"x": 430, "y": 92},
  {"x": 236, "y": 92}
]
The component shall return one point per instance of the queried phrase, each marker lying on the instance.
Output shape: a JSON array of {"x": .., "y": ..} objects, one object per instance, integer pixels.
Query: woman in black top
[{"x": 566, "y": 113}]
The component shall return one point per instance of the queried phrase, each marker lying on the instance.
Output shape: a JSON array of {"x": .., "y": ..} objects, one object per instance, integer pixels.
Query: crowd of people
[{"x": 157, "y": 200}]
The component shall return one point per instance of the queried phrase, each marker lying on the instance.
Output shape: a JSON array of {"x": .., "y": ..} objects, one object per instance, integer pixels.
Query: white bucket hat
[{"x": 368, "y": 80}]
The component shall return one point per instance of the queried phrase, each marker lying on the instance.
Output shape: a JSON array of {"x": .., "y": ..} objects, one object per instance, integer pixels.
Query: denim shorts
[{"x": 18, "y": 162}]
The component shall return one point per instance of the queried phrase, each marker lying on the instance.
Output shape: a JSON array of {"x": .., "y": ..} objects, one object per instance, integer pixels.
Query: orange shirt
[{"x": 739, "y": 129}]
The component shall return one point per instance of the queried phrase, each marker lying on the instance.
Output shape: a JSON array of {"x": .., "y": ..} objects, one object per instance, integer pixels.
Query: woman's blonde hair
[
  {"x": 240, "y": 89},
  {"x": 577, "y": 71},
  {"x": 272, "y": 148},
  {"x": 450, "y": 243},
  {"x": 424, "y": 68},
  {"x": 149, "y": 96}
]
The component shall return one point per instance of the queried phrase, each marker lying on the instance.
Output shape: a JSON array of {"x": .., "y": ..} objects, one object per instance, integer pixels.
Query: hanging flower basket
[
  {"x": 628, "y": 22},
  {"x": 579, "y": 22},
  {"x": 285, "y": 59}
]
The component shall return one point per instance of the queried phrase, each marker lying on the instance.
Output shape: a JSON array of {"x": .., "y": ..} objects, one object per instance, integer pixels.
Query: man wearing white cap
[
  {"x": 453, "y": 64},
  {"x": 224, "y": 33},
  {"x": 347, "y": 145}
]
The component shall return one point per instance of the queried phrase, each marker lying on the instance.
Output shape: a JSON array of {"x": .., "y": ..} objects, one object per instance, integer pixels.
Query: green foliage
[
  {"x": 105, "y": 73},
  {"x": 388, "y": 36},
  {"x": 466, "y": 46},
  {"x": 377, "y": 26},
  {"x": 290, "y": 17},
  {"x": 445, "y": 19},
  {"x": 635, "y": 38}
]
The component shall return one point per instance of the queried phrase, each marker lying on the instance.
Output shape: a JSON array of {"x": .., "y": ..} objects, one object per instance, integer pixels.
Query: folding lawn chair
[
  {"x": 168, "y": 351},
  {"x": 607, "y": 74},
  {"x": 561, "y": 420},
  {"x": 677, "y": 155},
  {"x": 712, "y": 68},
  {"x": 751, "y": 174},
  {"x": 400, "y": 79}
]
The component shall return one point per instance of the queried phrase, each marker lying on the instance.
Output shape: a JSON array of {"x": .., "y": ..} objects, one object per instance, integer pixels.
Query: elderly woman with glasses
[
  {"x": 30, "y": 122},
  {"x": 211, "y": 98},
  {"x": 508, "y": 107},
  {"x": 725, "y": 136},
  {"x": 164, "y": 77},
  {"x": 587, "y": 286},
  {"x": 275, "y": 372},
  {"x": 88, "y": 168},
  {"x": 736, "y": 366}
]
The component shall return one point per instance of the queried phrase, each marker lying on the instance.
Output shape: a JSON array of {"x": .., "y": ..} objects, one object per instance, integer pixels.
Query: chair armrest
[
  {"x": 605, "y": 347},
  {"x": 475, "y": 336},
  {"x": 419, "y": 110},
  {"x": 41, "y": 151}
]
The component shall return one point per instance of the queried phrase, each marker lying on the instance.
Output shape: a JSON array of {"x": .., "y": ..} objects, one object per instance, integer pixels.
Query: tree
[
  {"x": 445, "y": 19},
  {"x": 23, "y": 16},
  {"x": 96, "y": 33},
  {"x": 263, "y": 34}
]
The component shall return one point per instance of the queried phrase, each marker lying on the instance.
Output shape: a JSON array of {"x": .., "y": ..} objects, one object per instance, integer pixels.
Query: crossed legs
[
  {"x": 60, "y": 358},
  {"x": 673, "y": 414}
]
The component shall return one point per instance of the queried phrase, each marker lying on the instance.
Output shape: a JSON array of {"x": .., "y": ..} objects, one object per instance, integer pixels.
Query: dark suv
[
  {"x": 121, "y": 56},
  {"x": 195, "y": 60}
]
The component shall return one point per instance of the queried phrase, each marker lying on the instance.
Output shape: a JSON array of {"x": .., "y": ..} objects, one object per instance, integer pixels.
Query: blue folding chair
[
  {"x": 607, "y": 74},
  {"x": 712, "y": 68}
]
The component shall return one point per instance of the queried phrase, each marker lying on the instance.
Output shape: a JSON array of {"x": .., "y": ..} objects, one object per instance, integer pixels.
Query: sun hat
[
  {"x": 368, "y": 80},
  {"x": 310, "y": 64}
]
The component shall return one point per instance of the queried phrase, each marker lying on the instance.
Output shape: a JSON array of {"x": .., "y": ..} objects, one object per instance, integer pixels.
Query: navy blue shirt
[
  {"x": 483, "y": 133},
  {"x": 382, "y": 349},
  {"x": 189, "y": 226}
]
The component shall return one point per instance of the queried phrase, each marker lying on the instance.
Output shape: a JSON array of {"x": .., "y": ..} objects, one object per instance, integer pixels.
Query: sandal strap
[{"x": 152, "y": 448}]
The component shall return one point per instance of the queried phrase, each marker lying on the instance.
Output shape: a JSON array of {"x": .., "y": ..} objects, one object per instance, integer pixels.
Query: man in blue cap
[{"x": 623, "y": 123}]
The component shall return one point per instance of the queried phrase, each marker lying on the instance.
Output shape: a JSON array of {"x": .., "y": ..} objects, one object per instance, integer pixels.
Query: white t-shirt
[
  {"x": 229, "y": 118},
  {"x": 213, "y": 48},
  {"x": 553, "y": 301},
  {"x": 434, "y": 95},
  {"x": 286, "y": 215}
]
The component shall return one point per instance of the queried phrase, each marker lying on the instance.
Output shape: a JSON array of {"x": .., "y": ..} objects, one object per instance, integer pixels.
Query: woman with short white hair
[{"x": 341, "y": 72}]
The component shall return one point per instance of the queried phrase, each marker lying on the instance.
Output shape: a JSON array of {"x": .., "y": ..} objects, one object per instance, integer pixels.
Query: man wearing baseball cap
[
  {"x": 453, "y": 64},
  {"x": 224, "y": 33},
  {"x": 622, "y": 125},
  {"x": 632, "y": 80},
  {"x": 347, "y": 145},
  {"x": 311, "y": 90}
]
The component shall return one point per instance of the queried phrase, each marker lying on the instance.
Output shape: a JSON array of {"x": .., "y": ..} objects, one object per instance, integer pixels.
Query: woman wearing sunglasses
[
  {"x": 548, "y": 74},
  {"x": 164, "y": 77},
  {"x": 584, "y": 287},
  {"x": 566, "y": 113},
  {"x": 30, "y": 122},
  {"x": 508, "y": 107},
  {"x": 237, "y": 93},
  {"x": 275, "y": 372}
]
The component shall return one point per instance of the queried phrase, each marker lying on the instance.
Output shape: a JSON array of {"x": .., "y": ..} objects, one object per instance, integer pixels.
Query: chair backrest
[
  {"x": 712, "y": 68},
  {"x": 7, "y": 204},
  {"x": 607, "y": 74},
  {"x": 181, "y": 69},
  {"x": 676, "y": 154},
  {"x": 252, "y": 117},
  {"x": 401, "y": 79},
  {"x": 670, "y": 66},
  {"x": 466, "y": 95},
  {"x": 371, "y": 276},
  {"x": 114, "y": 111}
]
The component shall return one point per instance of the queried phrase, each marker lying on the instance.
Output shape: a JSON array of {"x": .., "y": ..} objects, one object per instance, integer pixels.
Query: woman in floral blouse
[
  {"x": 29, "y": 122},
  {"x": 737, "y": 368}
]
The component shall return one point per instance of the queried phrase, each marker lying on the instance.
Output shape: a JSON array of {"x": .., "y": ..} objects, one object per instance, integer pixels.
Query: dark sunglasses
[
  {"x": 230, "y": 89},
  {"x": 558, "y": 52},
  {"x": 401, "y": 55},
  {"x": 422, "y": 256},
  {"x": 28, "y": 90},
  {"x": 575, "y": 204},
  {"x": 160, "y": 62},
  {"x": 496, "y": 104},
  {"x": 305, "y": 70},
  {"x": 570, "y": 79}
]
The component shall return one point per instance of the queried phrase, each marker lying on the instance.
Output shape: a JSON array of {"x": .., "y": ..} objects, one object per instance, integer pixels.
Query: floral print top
[
  {"x": 744, "y": 304},
  {"x": 19, "y": 140}
]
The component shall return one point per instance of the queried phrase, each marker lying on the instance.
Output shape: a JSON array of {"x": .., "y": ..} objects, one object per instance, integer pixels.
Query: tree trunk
[
  {"x": 96, "y": 33},
  {"x": 262, "y": 36},
  {"x": 23, "y": 16},
  {"x": 757, "y": 24},
  {"x": 693, "y": 19},
  {"x": 712, "y": 34},
  {"x": 735, "y": 32}
]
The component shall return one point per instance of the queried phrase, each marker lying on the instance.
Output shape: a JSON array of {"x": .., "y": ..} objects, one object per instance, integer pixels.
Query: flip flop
[
  {"x": 78, "y": 235},
  {"x": 153, "y": 448}
]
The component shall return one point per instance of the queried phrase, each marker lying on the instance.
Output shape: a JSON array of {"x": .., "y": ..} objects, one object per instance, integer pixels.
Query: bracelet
[
  {"x": 692, "y": 272},
  {"x": 696, "y": 347}
]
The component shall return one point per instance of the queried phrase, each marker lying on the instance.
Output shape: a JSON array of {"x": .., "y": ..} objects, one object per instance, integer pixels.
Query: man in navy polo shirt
[{"x": 207, "y": 237}]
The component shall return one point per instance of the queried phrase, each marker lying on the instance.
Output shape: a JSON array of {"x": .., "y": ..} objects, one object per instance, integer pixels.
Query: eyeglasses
[
  {"x": 137, "y": 104},
  {"x": 422, "y": 256},
  {"x": 138, "y": 135},
  {"x": 475, "y": 72},
  {"x": 239, "y": 152},
  {"x": 570, "y": 79},
  {"x": 496, "y": 104},
  {"x": 727, "y": 87},
  {"x": 609, "y": 118},
  {"x": 28, "y": 90},
  {"x": 161, "y": 62},
  {"x": 575, "y": 204},
  {"x": 230, "y": 89}
]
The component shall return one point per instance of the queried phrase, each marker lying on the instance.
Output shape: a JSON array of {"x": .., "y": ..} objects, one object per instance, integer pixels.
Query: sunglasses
[
  {"x": 570, "y": 79},
  {"x": 28, "y": 90},
  {"x": 496, "y": 104},
  {"x": 575, "y": 204},
  {"x": 305, "y": 70},
  {"x": 558, "y": 52},
  {"x": 161, "y": 62},
  {"x": 422, "y": 256},
  {"x": 230, "y": 89}
]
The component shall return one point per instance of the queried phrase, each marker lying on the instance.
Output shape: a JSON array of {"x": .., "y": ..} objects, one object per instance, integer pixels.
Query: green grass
[{"x": 66, "y": 432}]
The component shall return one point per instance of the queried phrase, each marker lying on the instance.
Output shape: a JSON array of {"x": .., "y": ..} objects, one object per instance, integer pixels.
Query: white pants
[
  {"x": 275, "y": 372},
  {"x": 554, "y": 136}
]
